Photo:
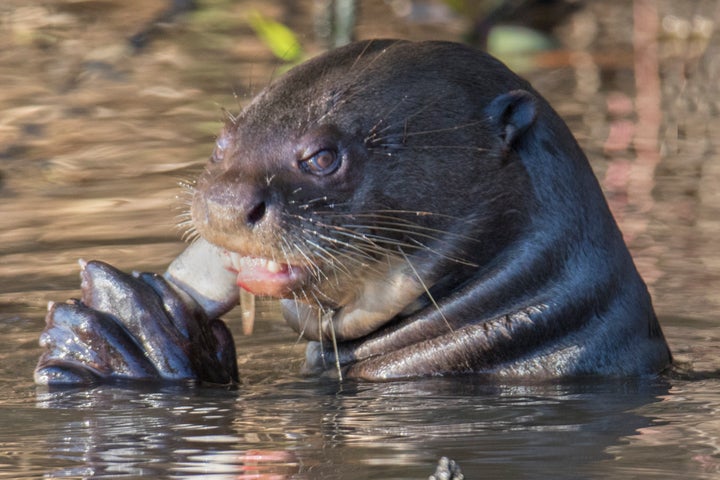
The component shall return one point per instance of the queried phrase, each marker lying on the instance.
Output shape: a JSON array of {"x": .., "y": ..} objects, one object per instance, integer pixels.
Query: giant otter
[{"x": 420, "y": 209}]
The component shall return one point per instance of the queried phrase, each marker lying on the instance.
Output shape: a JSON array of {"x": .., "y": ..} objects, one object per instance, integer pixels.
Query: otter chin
[{"x": 427, "y": 212}]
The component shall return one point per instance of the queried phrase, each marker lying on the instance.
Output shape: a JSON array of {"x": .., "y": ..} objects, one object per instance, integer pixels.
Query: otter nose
[
  {"x": 255, "y": 213},
  {"x": 231, "y": 206}
]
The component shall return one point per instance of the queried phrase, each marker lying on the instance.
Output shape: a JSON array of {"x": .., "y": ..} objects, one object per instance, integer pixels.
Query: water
[{"x": 94, "y": 139}]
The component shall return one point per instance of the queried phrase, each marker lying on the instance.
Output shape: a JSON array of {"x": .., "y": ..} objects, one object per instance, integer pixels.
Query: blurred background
[{"x": 106, "y": 105}]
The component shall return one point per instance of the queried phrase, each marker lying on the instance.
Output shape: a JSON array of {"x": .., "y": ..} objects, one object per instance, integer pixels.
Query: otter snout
[
  {"x": 235, "y": 214},
  {"x": 230, "y": 205}
]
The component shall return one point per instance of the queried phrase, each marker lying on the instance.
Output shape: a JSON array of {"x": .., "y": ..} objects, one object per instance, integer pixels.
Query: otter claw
[
  {"x": 132, "y": 327},
  {"x": 84, "y": 345}
]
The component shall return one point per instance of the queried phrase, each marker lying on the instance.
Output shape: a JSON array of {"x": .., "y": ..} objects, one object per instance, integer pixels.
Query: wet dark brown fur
[
  {"x": 463, "y": 230},
  {"x": 421, "y": 210}
]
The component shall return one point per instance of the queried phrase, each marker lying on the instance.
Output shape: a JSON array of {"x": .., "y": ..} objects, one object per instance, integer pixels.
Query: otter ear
[{"x": 512, "y": 113}]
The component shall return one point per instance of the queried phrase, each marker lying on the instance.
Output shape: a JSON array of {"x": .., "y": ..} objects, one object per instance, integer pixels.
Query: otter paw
[{"x": 133, "y": 327}]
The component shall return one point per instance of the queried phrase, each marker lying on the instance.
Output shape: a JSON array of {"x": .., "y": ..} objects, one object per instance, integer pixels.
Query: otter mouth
[{"x": 265, "y": 277}]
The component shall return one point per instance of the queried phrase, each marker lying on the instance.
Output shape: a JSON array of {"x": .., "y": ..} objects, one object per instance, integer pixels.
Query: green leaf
[
  {"x": 511, "y": 40},
  {"x": 279, "y": 38}
]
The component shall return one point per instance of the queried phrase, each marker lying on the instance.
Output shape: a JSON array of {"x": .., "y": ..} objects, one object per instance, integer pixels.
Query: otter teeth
[
  {"x": 240, "y": 263},
  {"x": 273, "y": 267}
]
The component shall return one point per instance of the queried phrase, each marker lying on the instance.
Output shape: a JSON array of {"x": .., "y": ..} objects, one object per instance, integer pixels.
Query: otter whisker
[
  {"x": 373, "y": 132},
  {"x": 368, "y": 250},
  {"x": 297, "y": 244},
  {"x": 432, "y": 147},
  {"x": 404, "y": 121},
  {"x": 322, "y": 315},
  {"x": 344, "y": 92},
  {"x": 183, "y": 220},
  {"x": 355, "y": 256},
  {"x": 335, "y": 349},
  {"x": 392, "y": 214},
  {"x": 319, "y": 327},
  {"x": 316, "y": 271},
  {"x": 309, "y": 203},
  {"x": 446, "y": 256},
  {"x": 335, "y": 241},
  {"x": 190, "y": 236},
  {"x": 374, "y": 243},
  {"x": 377, "y": 242},
  {"x": 409, "y": 233},
  {"x": 358, "y": 262},
  {"x": 229, "y": 116},
  {"x": 346, "y": 97},
  {"x": 417, "y": 245},
  {"x": 301, "y": 328},
  {"x": 298, "y": 301},
  {"x": 428, "y": 232},
  {"x": 446, "y": 129},
  {"x": 367, "y": 247},
  {"x": 186, "y": 192},
  {"x": 335, "y": 258},
  {"x": 427, "y": 290},
  {"x": 363, "y": 247},
  {"x": 413, "y": 229},
  {"x": 188, "y": 230},
  {"x": 361, "y": 55},
  {"x": 326, "y": 253}
]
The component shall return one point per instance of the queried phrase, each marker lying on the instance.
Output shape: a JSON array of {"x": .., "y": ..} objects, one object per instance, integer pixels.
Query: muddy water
[{"x": 95, "y": 137}]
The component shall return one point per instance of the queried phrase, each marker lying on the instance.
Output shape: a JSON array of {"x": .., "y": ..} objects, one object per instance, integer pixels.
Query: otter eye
[{"x": 323, "y": 162}]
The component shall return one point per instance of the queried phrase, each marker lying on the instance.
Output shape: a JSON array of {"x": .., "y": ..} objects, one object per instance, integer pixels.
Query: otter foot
[{"x": 133, "y": 327}]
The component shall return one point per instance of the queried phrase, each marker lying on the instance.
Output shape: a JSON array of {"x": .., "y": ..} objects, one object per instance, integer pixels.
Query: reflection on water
[
  {"x": 95, "y": 137},
  {"x": 127, "y": 432},
  {"x": 311, "y": 430}
]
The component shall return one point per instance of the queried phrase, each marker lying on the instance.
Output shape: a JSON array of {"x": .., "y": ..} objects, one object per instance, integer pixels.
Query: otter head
[{"x": 372, "y": 159}]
